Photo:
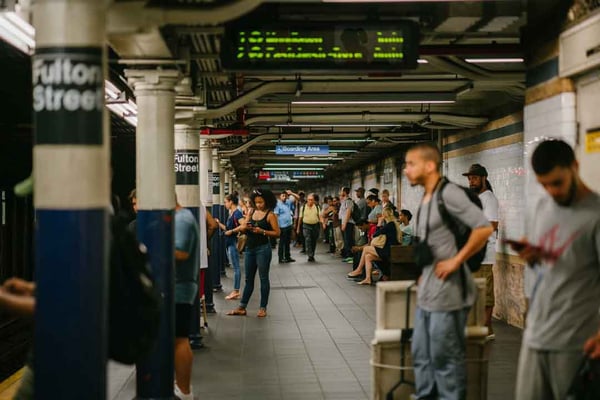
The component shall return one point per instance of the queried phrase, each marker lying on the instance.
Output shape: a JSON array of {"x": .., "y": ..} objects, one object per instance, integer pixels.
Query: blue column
[
  {"x": 71, "y": 200},
  {"x": 155, "y": 186}
]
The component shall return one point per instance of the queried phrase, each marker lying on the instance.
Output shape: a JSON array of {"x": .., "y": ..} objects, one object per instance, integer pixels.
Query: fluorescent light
[
  {"x": 297, "y": 164},
  {"x": 384, "y": 102},
  {"x": 376, "y": 98},
  {"x": 494, "y": 60},
  {"x": 422, "y": 61},
  {"x": 323, "y": 141},
  {"x": 292, "y": 169},
  {"x": 336, "y": 125},
  {"x": 18, "y": 34}
]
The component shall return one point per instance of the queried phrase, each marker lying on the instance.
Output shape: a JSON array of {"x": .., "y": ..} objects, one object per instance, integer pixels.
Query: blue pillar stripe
[
  {"x": 155, "y": 229},
  {"x": 70, "y": 329}
]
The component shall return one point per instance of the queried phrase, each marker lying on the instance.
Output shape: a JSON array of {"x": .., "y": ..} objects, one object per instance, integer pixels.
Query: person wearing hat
[
  {"x": 361, "y": 202},
  {"x": 478, "y": 182}
]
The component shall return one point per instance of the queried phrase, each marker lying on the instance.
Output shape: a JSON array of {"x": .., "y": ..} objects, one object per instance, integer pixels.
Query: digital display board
[{"x": 321, "y": 47}]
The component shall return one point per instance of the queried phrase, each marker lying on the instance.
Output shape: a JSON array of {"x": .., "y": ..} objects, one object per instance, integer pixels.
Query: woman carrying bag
[
  {"x": 231, "y": 228},
  {"x": 382, "y": 250}
]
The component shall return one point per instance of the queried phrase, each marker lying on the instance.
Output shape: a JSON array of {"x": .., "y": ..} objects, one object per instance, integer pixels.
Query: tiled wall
[{"x": 506, "y": 174}]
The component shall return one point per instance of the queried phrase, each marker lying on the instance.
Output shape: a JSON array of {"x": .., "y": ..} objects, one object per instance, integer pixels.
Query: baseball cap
[
  {"x": 375, "y": 191},
  {"x": 477, "y": 170}
]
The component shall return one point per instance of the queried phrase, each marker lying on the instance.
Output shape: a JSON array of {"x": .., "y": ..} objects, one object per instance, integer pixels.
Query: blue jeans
[
  {"x": 438, "y": 350},
  {"x": 234, "y": 260},
  {"x": 258, "y": 258}
]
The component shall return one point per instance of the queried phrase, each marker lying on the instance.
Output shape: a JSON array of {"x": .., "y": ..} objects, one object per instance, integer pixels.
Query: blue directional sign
[{"x": 313, "y": 150}]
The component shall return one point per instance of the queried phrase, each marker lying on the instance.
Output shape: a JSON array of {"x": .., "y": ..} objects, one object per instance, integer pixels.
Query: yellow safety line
[{"x": 7, "y": 387}]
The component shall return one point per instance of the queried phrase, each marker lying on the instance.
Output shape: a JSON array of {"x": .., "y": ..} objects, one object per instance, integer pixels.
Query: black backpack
[
  {"x": 134, "y": 306},
  {"x": 356, "y": 215},
  {"x": 460, "y": 230}
]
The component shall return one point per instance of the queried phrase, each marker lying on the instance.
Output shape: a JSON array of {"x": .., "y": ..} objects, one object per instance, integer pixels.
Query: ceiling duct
[{"x": 458, "y": 17}]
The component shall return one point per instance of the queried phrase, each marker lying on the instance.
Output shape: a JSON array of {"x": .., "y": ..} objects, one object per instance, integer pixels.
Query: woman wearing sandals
[
  {"x": 233, "y": 221},
  {"x": 260, "y": 225},
  {"x": 372, "y": 253}
]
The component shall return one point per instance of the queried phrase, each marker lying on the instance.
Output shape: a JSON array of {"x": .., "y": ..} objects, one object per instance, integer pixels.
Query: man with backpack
[
  {"x": 478, "y": 183},
  {"x": 309, "y": 224},
  {"x": 446, "y": 289}
]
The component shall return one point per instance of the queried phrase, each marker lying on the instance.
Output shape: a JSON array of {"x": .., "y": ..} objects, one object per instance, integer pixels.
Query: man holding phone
[{"x": 563, "y": 248}]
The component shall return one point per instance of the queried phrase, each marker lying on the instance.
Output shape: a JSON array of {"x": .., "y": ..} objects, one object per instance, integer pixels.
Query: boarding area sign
[{"x": 307, "y": 150}]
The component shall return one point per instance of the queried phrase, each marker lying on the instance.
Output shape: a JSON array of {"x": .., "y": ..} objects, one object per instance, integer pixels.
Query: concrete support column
[
  {"x": 205, "y": 173},
  {"x": 206, "y": 200},
  {"x": 72, "y": 199},
  {"x": 217, "y": 259},
  {"x": 155, "y": 176},
  {"x": 226, "y": 182},
  {"x": 187, "y": 167},
  {"x": 216, "y": 178}
]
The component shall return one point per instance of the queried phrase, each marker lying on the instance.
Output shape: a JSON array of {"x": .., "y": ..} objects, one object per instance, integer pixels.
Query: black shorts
[{"x": 183, "y": 320}]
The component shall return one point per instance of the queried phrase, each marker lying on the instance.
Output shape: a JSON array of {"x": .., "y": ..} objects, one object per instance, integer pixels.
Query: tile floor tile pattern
[{"x": 314, "y": 344}]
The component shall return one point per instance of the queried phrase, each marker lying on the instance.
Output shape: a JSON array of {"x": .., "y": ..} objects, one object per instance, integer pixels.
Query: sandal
[
  {"x": 262, "y": 313},
  {"x": 351, "y": 275},
  {"x": 364, "y": 282},
  {"x": 237, "y": 311},
  {"x": 234, "y": 295}
]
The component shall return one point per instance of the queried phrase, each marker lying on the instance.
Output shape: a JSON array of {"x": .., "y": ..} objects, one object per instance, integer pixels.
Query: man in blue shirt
[
  {"x": 283, "y": 210},
  {"x": 187, "y": 263}
]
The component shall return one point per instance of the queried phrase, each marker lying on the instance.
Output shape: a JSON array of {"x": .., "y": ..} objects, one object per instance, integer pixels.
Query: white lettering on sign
[
  {"x": 186, "y": 162},
  {"x": 64, "y": 85}
]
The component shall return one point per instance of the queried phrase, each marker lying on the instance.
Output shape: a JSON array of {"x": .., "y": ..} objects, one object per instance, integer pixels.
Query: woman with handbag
[
  {"x": 231, "y": 233},
  {"x": 379, "y": 249},
  {"x": 260, "y": 225}
]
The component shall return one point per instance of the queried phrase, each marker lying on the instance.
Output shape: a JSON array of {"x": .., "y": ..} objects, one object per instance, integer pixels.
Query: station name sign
[
  {"x": 355, "y": 46},
  {"x": 302, "y": 150},
  {"x": 286, "y": 176}
]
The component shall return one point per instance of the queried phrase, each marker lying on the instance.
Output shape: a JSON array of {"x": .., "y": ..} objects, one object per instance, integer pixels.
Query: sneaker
[
  {"x": 181, "y": 396},
  {"x": 311, "y": 259},
  {"x": 348, "y": 259},
  {"x": 290, "y": 260},
  {"x": 491, "y": 336}
]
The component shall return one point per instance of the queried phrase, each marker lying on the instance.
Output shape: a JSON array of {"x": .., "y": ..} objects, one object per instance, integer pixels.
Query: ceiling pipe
[
  {"x": 134, "y": 17},
  {"x": 343, "y": 86},
  {"x": 460, "y": 121}
]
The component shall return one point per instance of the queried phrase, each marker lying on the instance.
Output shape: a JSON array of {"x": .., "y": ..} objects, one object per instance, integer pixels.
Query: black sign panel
[
  {"x": 216, "y": 183},
  {"x": 321, "y": 47},
  {"x": 186, "y": 167},
  {"x": 68, "y": 95}
]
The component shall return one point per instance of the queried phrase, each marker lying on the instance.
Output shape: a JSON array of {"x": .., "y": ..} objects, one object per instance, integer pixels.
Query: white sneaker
[{"x": 181, "y": 396}]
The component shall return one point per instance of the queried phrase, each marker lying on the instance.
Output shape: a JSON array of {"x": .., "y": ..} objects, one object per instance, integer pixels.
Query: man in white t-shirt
[{"x": 478, "y": 182}]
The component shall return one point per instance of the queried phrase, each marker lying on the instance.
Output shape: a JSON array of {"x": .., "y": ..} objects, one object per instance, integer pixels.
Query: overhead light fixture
[
  {"x": 291, "y": 124},
  {"x": 422, "y": 61},
  {"x": 494, "y": 60},
  {"x": 292, "y": 169},
  {"x": 17, "y": 32},
  {"x": 376, "y": 98},
  {"x": 297, "y": 165},
  {"x": 323, "y": 141}
]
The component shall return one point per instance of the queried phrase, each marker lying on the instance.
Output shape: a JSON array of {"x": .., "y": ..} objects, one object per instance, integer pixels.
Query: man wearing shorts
[
  {"x": 187, "y": 240},
  {"x": 478, "y": 182}
]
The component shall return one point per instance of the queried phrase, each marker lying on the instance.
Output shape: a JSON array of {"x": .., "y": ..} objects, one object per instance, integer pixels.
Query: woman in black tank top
[{"x": 259, "y": 226}]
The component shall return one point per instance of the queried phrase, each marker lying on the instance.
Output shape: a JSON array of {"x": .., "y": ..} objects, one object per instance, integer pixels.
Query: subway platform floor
[{"x": 314, "y": 343}]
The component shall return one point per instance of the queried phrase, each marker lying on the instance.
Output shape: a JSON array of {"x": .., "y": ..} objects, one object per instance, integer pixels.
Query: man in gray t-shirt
[
  {"x": 446, "y": 289},
  {"x": 563, "y": 248}
]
